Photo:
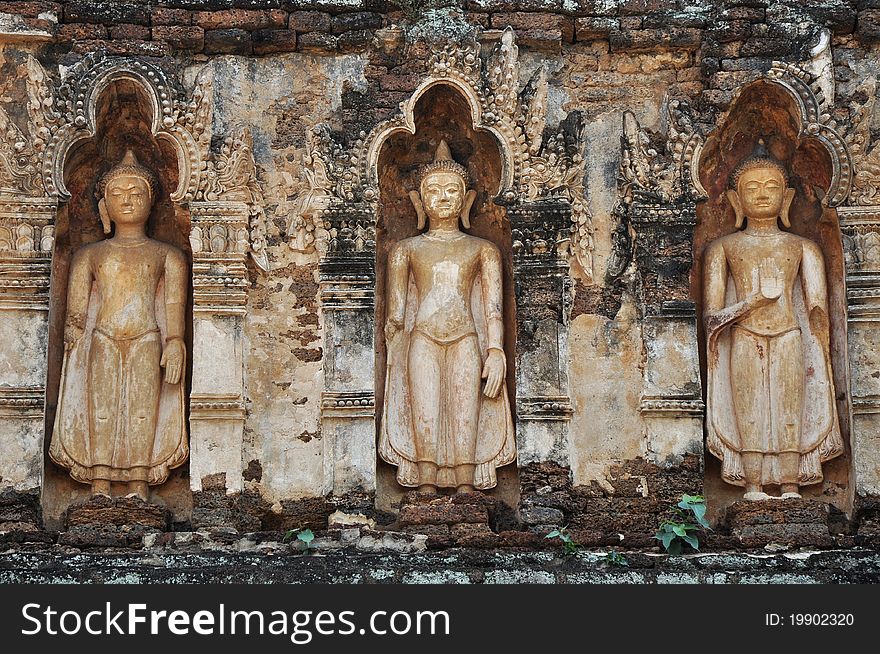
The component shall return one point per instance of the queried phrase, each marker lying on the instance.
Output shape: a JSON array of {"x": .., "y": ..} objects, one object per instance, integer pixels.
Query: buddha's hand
[
  {"x": 72, "y": 334},
  {"x": 493, "y": 372},
  {"x": 391, "y": 329},
  {"x": 771, "y": 281},
  {"x": 173, "y": 360}
]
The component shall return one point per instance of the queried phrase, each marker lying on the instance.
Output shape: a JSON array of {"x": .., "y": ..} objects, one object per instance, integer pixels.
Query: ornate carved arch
[{"x": 76, "y": 103}]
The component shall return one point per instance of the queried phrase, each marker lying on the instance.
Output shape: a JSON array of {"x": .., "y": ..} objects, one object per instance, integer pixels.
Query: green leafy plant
[
  {"x": 304, "y": 535},
  {"x": 616, "y": 559},
  {"x": 569, "y": 545},
  {"x": 690, "y": 519}
]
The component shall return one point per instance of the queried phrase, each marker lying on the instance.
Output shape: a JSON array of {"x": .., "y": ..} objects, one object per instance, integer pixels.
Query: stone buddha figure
[
  {"x": 771, "y": 413},
  {"x": 120, "y": 415},
  {"x": 446, "y": 417}
]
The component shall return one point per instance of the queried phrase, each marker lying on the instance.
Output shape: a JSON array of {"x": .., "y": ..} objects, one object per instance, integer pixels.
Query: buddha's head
[
  {"x": 126, "y": 193},
  {"x": 759, "y": 189},
  {"x": 443, "y": 191}
]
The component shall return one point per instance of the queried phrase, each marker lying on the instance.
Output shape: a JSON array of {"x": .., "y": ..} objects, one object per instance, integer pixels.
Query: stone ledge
[{"x": 451, "y": 566}]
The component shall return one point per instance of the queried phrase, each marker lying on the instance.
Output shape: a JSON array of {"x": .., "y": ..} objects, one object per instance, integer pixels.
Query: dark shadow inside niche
[
  {"x": 441, "y": 113},
  {"x": 766, "y": 111},
  {"x": 123, "y": 120}
]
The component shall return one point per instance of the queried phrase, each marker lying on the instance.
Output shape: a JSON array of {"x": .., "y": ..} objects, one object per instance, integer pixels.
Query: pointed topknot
[
  {"x": 443, "y": 162},
  {"x": 128, "y": 166}
]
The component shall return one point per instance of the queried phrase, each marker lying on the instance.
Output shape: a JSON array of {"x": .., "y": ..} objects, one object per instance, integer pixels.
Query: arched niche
[
  {"x": 122, "y": 115},
  {"x": 783, "y": 114},
  {"x": 441, "y": 112}
]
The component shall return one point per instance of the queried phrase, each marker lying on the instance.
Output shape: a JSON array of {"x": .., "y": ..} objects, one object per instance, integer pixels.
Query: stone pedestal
[
  {"x": 793, "y": 523},
  {"x": 450, "y": 520},
  {"x": 121, "y": 522},
  {"x": 348, "y": 412}
]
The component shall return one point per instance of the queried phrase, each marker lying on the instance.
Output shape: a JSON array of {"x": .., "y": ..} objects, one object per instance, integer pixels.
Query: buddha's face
[
  {"x": 443, "y": 194},
  {"x": 127, "y": 199},
  {"x": 761, "y": 192}
]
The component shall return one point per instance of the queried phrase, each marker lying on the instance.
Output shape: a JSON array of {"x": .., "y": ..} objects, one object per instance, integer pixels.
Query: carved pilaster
[
  {"x": 860, "y": 226},
  {"x": 657, "y": 213},
  {"x": 27, "y": 228},
  {"x": 541, "y": 233},
  {"x": 347, "y": 282},
  {"x": 219, "y": 240}
]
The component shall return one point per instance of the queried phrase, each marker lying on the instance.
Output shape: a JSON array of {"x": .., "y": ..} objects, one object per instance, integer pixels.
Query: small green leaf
[
  {"x": 699, "y": 511},
  {"x": 665, "y": 537},
  {"x": 290, "y": 533},
  {"x": 306, "y": 536},
  {"x": 553, "y": 534},
  {"x": 691, "y": 540},
  {"x": 680, "y": 530}
]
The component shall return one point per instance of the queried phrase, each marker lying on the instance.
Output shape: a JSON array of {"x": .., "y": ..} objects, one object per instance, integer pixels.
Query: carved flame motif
[
  {"x": 31, "y": 164},
  {"x": 537, "y": 165},
  {"x": 865, "y": 153}
]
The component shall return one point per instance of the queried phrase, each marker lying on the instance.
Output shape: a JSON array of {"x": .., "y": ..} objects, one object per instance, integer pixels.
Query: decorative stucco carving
[
  {"x": 657, "y": 183},
  {"x": 538, "y": 162},
  {"x": 815, "y": 122},
  {"x": 60, "y": 116}
]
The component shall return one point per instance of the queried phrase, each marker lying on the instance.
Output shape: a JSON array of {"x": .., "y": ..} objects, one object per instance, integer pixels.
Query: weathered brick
[
  {"x": 354, "y": 40},
  {"x": 230, "y": 41},
  {"x": 107, "y": 12},
  {"x": 439, "y": 514},
  {"x": 767, "y": 47},
  {"x": 169, "y": 16},
  {"x": 868, "y": 26},
  {"x": 317, "y": 42},
  {"x": 128, "y": 31},
  {"x": 272, "y": 41},
  {"x": 593, "y": 27},
  {"x": 541, "y": 22},
  {"x": 245, "y": 19},
  {"x": 395, "y": 81},
  {"x": 80, "y": 31},
  {"x": 579, "y": 7},
  {"x": 727, "y": 31},
  {"x": 309, "y": 21},
  {"x": 132, "y": 48},
  {"x": 180, "y": 37},
  {"x": 548, "y": 40},
  {"x": 361, "y": 20},
  {"x": 31, "y": 9},
  {"x": 751, "y": 14},
  {"x": 652, "y": 40},
  {"x": 664, "y": 20},
  {"x": 640, "y": 7}
]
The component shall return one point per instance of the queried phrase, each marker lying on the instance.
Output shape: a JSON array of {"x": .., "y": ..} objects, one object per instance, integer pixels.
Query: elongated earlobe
[
  {"x": 105, "y": 217},
  {"x": 416, "y": 200},
  {"x": 786, "y": 206},
  {"x": 733, "y": 198},
  {"x": 466, "y": 208}
]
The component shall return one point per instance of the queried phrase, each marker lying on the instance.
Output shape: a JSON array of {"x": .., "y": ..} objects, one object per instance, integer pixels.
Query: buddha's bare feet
[
  {"x": 756, "y": 496},
  {"x": 464, "y": 488},
  {"x": 100, "y": 488},
  {"x": 427, "y": 489},
  {"x": 138, "y": 489}
]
